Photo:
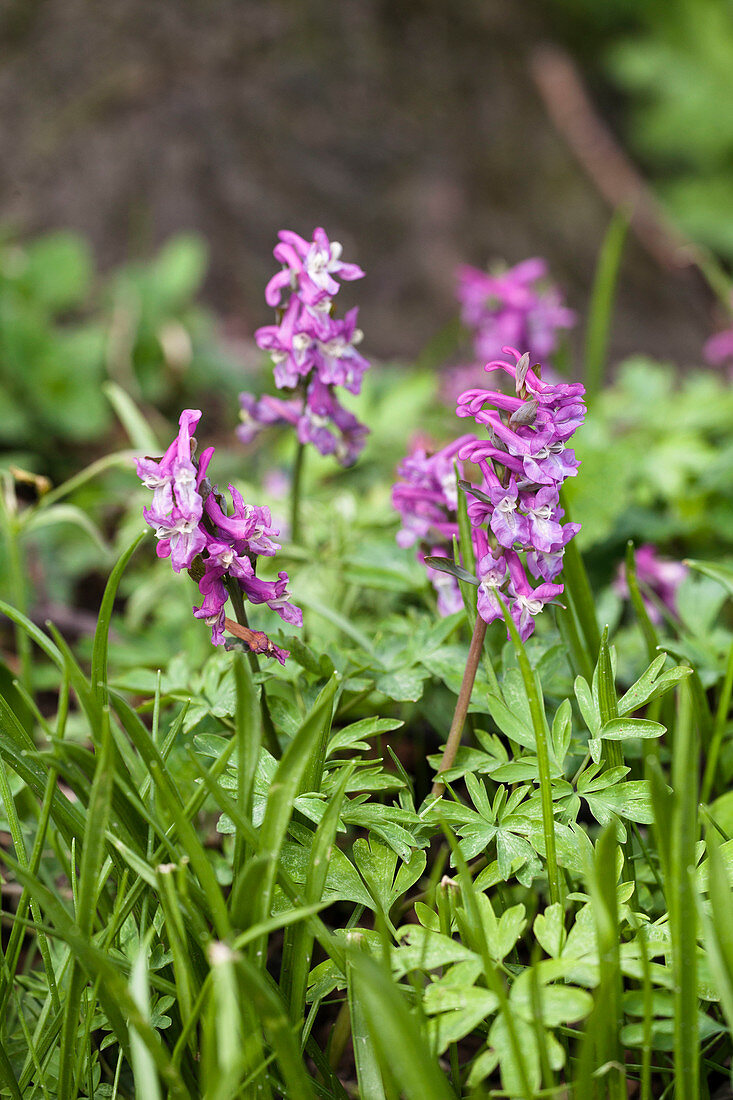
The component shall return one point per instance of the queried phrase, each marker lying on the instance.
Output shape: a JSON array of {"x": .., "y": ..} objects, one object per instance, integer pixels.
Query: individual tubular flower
[
  {"x": 219, "y": 546},
  {"x": 309, "y": 267},
  {"x": 330, "y": 427},
  {"x": 515, "y": 307},
  {"x": 313, "y": 352},
  {"x": 527, "y": 602},
  {"x": 523, "y": 463},
  {"x": 427, "y": 500},
  {"x": 257, "y": 414},
  {"x": 657, "y": 576}
]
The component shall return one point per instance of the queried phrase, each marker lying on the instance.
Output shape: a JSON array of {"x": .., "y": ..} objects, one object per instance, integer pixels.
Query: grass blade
[
  {"x": 101, "y": 634},
  {"x": 299, "y": 759},
  {"x": 147, "y": 1082},
  {"x": 600, "y": 309},
  {"x": 681, "y": 901},
  {"x": 396, "y": 1036},
  {"x": 368, "y": 1074}
]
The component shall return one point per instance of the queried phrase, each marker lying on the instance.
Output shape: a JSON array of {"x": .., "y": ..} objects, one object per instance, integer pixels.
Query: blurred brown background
[{"x": 412, "y": 130}]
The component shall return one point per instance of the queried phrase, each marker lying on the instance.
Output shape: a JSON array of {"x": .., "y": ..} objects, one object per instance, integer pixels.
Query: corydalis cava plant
[
  {"x": 219, "y": 547},
  {"x": 515, "y": 509},
  {"x": 523, "y": 461},
  {"x": 313, "y": 352}
]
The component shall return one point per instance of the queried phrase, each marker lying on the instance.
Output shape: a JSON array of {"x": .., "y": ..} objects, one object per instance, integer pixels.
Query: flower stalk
[
  {"x": 462, "y": 703},
  {"x": 295, "y": 492},
  {"x": 536, "y": 709}
]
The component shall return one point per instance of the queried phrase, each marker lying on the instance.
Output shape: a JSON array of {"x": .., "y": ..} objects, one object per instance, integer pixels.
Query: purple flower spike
[
  {"x": 719, "y": 348},
  {"x": 515, "y": 307},
  {"x": 216, "y": 546},
  {"x": 522, "y": 464},
  {"x": 313, "y": 352}
]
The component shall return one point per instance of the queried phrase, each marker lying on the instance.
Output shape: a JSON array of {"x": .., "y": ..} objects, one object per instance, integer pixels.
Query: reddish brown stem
[{"x": 464, "y": 698}]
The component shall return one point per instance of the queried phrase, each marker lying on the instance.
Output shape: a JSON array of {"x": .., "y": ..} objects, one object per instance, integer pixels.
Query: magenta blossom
[
  {"x": 173, "y": 477},
  {"x": 257, "y": 414},
  {"x": 313, "y": 352},
  {"x": 427, "y": 501},
  {"x": 309, "y": 267},
  {"x": 515, "y": 507},
  {"x": 514, "y": 307},
  {"x": 330, "y": 427},
  {"x": 219, "y": 547},
  {"x": 718, "y": 350},
  {"x": 527, "y": 601}
]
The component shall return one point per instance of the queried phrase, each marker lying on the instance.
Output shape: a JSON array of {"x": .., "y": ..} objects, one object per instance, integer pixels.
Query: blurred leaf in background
[{"x": 64, "y": 329}]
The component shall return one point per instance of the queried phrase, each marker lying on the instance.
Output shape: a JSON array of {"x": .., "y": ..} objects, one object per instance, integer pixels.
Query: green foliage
[
  {"x": 65, "y": 330},
  {"x": 207, "y": 907}
]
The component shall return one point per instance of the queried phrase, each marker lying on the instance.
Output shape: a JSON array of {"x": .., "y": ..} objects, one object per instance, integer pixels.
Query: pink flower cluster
[
  {"x": 219, "y": 547},
  {"x": 427, "y": 500},
  {"x": 515, "y": 510},
  {"x": 524, "y": 462},
  {"x": 313, "y": 352},
  {"x": 515, "y": 307}
]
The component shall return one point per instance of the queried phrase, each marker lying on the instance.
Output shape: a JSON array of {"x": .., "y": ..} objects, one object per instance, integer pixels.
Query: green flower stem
[
  {"x": 577, "y": 587},
  {"x": 536, "y": 709},
  {"x": 17, "y": 580},
  {"x": 462, "y": 703},
  {"x": 721, "y": 717},
  {"x": 268, "y": 728},
  {"x": 685, "y": 831},
  {"x": 567, "y": 621},
  {"x": 295, "y": 490},
  {"x": 613, "y": 755}
]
